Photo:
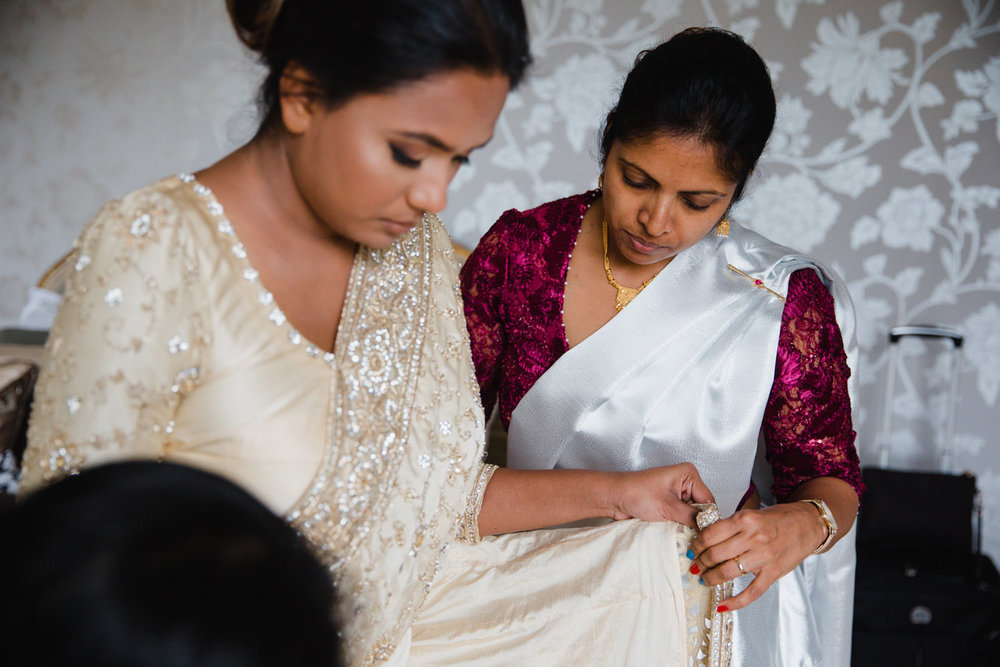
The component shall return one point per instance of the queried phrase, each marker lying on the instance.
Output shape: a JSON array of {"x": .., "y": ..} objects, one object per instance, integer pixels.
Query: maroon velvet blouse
[{"x": 513, "y": 287}]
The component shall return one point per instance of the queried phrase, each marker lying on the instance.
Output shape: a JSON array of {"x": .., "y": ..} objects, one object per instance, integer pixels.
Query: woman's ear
[{"x": 297, "y": 95}]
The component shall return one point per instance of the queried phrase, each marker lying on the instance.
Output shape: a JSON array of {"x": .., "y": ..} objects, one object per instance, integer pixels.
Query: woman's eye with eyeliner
[
  {"x": 631, "y": 183},
  {"x": 400, "y": 156},
  {"x": 695, "y": 207}
]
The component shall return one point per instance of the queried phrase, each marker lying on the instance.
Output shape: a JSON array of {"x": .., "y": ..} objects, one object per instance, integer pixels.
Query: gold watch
[{"x": 827, "y": 516}]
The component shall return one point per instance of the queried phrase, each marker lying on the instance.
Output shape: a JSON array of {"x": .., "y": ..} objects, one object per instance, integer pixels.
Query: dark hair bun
[{"x": 254, "y": 20}]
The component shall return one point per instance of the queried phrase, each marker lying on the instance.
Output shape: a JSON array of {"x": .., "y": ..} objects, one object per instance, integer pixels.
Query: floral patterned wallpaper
[{"x": 885, "y": 161}]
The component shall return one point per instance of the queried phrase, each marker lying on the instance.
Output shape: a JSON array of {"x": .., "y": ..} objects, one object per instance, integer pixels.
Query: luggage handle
[
  {"x": 926, "y": 331},
  {"x": 946, "y": 453}
]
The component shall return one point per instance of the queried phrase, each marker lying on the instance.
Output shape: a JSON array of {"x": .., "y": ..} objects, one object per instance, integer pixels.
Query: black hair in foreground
[
  {"x": 371, "y": 46},
  {"x": 703, "y": 82},
  {"x": 160, "y": 565}
]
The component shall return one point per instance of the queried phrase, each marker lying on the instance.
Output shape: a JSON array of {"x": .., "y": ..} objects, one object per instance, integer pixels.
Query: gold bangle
[{"x": 827, "y": 516}]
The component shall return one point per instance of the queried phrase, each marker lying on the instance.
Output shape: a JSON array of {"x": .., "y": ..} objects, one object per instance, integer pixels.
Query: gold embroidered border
[
  {"x": 379, "y": 342},
  {"x": 470, "y": 522}
]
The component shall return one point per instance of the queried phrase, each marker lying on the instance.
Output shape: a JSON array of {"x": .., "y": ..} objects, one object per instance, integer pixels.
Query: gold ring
[{"x": 736, "y": 559}]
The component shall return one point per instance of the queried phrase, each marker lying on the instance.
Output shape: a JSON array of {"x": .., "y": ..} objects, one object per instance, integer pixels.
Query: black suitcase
[{"x": 924, "y": 594}]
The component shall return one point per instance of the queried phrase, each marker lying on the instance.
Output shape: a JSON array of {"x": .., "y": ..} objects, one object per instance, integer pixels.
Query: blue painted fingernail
[
  {"x": 701, "y": 581},
  {"x": 690, "y": 555}
]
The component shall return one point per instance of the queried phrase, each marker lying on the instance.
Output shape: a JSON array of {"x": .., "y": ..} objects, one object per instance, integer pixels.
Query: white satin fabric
[{"x": 684, "y": 374}]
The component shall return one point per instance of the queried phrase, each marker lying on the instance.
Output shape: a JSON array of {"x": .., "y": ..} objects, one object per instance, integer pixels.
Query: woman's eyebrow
[
  {"x": 642, "y": 171},
  {"x": 715, "y": 193}
]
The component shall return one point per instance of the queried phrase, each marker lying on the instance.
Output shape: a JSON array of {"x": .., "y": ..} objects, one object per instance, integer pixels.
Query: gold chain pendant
[
  {"x": 624, "y": 297},
  {"x": 625, "y": 294}
]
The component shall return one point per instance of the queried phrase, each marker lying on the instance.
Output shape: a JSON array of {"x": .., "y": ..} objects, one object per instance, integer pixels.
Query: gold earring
[
  {"x": 722, "y": 229},
  {"x": 600, "y": 181}
]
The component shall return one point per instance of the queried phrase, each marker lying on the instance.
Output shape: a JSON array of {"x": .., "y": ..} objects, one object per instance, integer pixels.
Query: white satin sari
[{"x": 684, "y": 374}]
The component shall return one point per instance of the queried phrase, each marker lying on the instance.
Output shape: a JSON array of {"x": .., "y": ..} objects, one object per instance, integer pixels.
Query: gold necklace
[{"x": 625, "y": 294}]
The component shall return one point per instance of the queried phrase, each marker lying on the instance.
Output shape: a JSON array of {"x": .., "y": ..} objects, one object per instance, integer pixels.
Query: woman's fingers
[
  {"x": 687, "y": 486},
  {"x": 680, "y": 511},
  {"x": 729, "y": 569},
  {"x": 752, "y": 592},
  {"x": 768, "y": 543},
  {"x": 700, "y": 493},
  {"x": 716, "y": 543},
  {"x": 659, "y": 494}
]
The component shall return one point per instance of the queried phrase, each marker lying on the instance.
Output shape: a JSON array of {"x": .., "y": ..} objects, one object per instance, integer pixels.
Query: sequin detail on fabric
[
  {"x": 470, "y": 525},
  {"x": 719, "y": 646},
  {"x": 250, "y": 274},
  {"x": 96, "y": 399},
  {"x": 383, "y": 505},
  {"x": 375, "y": 379}
]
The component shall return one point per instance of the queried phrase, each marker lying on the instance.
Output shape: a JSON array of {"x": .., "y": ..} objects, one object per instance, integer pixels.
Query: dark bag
[
  {"x": 909, "y": 510},
  {"x": 926, "y": 609},
  {"x": 916, "y": 511},
  {"x": 924, "y": 594}
]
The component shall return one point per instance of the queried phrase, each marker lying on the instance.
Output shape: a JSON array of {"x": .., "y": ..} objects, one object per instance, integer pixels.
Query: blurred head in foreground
[{"x": 155, "y": 564}]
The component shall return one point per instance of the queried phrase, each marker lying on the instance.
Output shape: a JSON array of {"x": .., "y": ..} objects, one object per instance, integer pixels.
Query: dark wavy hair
[
  {"x": 371, "y": 46},
  {"x": 703, "y": 82}
]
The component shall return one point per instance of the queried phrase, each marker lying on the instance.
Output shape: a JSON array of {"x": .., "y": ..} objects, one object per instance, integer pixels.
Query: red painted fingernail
[
  {"x": 721, "y": 608},
  {"x": 694, "y": 568}
]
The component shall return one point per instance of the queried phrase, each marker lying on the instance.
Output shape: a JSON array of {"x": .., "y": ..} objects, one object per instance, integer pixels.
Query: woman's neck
[
  {"x": 304, "y": 266},
  {"x": 255, "y": 185}
]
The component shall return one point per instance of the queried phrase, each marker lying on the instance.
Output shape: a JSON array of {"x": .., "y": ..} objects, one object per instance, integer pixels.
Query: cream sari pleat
[{"x": 610, "y": 594}]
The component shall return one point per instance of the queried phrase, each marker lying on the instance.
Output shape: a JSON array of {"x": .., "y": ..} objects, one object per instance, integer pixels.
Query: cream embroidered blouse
[{"x": 167, "y": 346}]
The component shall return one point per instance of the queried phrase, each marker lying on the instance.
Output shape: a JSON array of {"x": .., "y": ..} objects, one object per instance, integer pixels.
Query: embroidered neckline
[{"x": 224, "y": 228}]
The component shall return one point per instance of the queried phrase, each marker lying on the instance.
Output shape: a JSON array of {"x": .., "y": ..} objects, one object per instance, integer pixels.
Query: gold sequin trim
[
  {"x": 470, "y": 525},
  {"x": 721, "y": 633}
]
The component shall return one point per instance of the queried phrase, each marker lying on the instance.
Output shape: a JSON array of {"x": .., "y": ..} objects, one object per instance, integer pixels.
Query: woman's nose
[
  {"x": 430, "y": 192},
  {"x": 657, "y": 219}
]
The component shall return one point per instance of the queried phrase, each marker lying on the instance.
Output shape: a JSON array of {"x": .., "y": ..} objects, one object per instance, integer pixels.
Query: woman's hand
[
  {"x": 659, "y": 494},
  {"x": 772, "y": 541},
  {"x": 528, "y": 499},
  {"x": 769, "y": 542}
]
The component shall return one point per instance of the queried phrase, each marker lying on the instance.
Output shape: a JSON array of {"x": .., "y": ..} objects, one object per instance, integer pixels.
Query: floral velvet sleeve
[
  {"x": 807, "y": 422},
  {"x": 483, "y": 276}
]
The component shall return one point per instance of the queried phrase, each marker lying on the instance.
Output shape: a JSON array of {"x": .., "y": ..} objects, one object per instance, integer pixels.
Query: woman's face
[
  {"x": 662, "y": 194},
  {"x": 368, "y": 169}
]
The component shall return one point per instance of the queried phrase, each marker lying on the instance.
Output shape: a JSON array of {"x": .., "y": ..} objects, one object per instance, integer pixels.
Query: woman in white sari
[{"x": 637, "y": 326}]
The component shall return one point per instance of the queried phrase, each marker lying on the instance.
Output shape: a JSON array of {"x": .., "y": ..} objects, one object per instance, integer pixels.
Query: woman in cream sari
[
  {"x": 288, "y": 317},
  {"x": 637, "y": 326}
]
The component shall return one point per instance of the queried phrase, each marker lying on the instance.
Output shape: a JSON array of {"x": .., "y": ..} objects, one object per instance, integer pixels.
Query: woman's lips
[
  {"x": 643, "y": 247},
  {"x": 401, "y": 226}
]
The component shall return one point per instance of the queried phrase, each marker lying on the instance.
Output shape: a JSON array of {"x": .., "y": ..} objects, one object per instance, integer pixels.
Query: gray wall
[{"x": 885, "y": 162}]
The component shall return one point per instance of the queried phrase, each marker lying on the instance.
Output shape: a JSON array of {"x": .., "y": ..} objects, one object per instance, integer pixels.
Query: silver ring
[{"x": 736, "y": 559}]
